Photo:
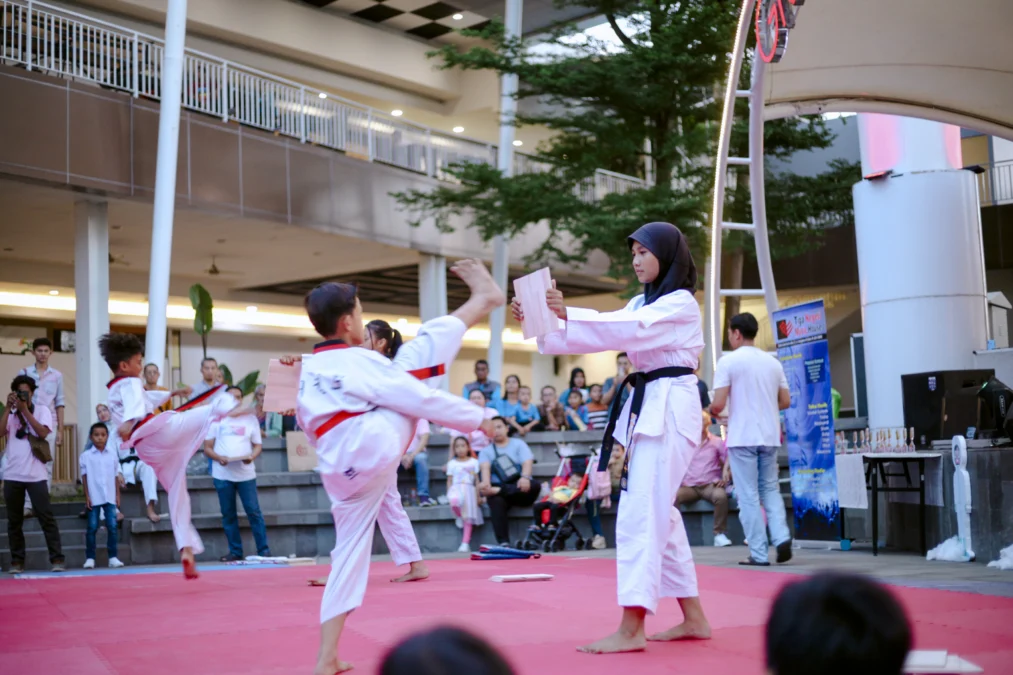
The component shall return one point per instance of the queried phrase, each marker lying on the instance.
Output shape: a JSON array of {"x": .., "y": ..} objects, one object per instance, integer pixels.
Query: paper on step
[
  {"x": 513, "y": 578},
  {"x": 538, "y": 318},
  {"x": 937, "y": 662},
  {"x": 282, "y": 386}
]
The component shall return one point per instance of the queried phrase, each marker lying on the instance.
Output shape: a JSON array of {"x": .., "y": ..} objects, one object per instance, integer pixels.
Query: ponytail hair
[{"x": 381, "y": 330}]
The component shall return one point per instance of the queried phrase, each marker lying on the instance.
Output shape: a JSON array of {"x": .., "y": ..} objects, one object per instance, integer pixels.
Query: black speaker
[
  {"x": 996, "y": 410},
  {"x": 943, "y": 404}
]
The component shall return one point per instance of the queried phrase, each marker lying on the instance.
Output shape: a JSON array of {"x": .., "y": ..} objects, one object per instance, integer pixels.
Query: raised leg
[{"x": 485, "y": 294}]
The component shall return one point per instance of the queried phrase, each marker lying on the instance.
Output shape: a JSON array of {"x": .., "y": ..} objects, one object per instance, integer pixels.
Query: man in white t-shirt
[
  {"x": 752, "y": 385},
  {"x": 232, "y": 446},
  {"x": 418, "y": 457}
]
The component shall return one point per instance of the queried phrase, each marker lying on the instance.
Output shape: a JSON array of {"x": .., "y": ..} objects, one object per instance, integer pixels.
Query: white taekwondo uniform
[
  {"x": 168, "y": 440},
  {"x": 360, "y": 411},
  {"x": 653, "y": 557}
]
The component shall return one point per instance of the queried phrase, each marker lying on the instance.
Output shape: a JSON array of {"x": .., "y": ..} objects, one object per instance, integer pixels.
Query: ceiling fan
[
  {"x": 215, "y": 271},
  {"x": 118, "y": 260}
]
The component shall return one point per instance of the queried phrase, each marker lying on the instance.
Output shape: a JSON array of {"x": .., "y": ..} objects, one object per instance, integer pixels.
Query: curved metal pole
[
  {"x": 757, "y": 188},
  {"x": 712, "y": 299}
]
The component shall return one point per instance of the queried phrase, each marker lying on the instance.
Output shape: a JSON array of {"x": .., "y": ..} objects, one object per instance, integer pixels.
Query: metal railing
[
  {"x": 49, "y": 39},
  {"x": 995, "y": 184}
]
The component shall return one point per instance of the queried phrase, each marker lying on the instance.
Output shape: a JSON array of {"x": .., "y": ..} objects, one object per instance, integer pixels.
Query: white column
[
  {"x": 165, "y": 182},
  {"x": 920, "y": 258},
  {"x": 433, "y": 297},
  {"x": 505, "y": 163},
  {"x": 432, "y": 286},
  {"x": 91, "y": 318}
]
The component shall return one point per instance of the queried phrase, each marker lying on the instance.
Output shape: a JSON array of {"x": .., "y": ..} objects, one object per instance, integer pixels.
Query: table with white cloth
[{"x": 859, "y": 474}]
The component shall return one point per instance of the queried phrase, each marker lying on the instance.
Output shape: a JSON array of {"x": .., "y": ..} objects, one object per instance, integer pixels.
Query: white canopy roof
[{"x": 947, "y": 60}]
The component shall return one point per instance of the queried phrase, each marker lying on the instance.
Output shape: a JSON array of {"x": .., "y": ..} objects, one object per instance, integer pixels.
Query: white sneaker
[
  {"x": 89, "y": 564},
  {"x": 459, "y": 523},
  {"x": 720, "y": 540},
  {"x": 598, "y": 543},
  {"x": 115, "y": 562},
  {"x": 464, "y": 548},
  {"x": 745, "y": 542}
]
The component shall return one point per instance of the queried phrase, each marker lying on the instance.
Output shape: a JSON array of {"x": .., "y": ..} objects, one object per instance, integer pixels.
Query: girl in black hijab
[{"x": 660, "y": 425}]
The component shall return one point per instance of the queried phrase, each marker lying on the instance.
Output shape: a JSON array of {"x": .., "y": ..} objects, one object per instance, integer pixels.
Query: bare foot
[
  {"x": 332, "y": 667},
  {"x": 189, "y": 564},
  {"x": 152, "y": 515},
  {"x": 317, "y": 582},
  {"x": 480, "y": 282},
  {"x": 417, "y": 572},
  {"x": 686, "y": 630},
  {"x": 616, "y": 643}
]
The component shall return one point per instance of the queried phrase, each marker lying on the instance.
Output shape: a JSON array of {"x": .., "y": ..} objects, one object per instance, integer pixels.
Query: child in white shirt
[{"x": 102, "y": 477}]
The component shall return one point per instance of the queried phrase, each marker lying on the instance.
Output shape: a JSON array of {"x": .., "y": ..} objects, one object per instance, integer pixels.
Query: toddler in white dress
[{"x": 462, "y": 489}]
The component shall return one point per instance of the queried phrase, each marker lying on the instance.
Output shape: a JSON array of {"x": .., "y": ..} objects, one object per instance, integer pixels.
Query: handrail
[
  {"x": 995, "y": 183},
  {"x": 51, "y": 39}
]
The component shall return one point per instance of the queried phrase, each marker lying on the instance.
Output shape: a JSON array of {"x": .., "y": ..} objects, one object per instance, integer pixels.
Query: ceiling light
[
  {"x": 518, "y": 144},
  {"x": 251, "y": 308},
  {"x": 397, "y": 113},
  {"x": 54, "y": 292},
  {"x": 323, "y": 95},
  {"x": 457, "y": 17},
  {"x": 458, "y": 130}
]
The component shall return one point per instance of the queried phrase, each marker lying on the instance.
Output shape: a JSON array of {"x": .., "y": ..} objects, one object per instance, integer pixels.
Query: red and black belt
[
  {"x": 192, "y": 403},
  {"x": 338, "y": 418}
]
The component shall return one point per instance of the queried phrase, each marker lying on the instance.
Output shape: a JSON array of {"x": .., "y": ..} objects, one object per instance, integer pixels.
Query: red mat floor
[{"x": 264, "y": 621}]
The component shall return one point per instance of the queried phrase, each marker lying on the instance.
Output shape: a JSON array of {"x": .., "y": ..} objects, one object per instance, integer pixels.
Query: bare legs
[
  {"x": 328, "y": 662},
  {"x": 694, "y": 624},
  {"x": 485, "y": 294}
]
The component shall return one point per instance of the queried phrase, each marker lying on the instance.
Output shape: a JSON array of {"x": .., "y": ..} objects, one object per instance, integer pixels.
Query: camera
[{"x": 25, "y": 395}]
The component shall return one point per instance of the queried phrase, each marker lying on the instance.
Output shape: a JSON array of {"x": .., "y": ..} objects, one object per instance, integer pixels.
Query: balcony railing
[
  {"x": 50, "y": 39},
  {"x": 995, "y": 184}
]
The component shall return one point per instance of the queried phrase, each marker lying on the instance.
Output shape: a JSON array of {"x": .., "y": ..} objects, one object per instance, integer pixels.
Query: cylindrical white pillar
[
  {"x": 433, "y": 297},
  {"x": 505, "y": 163},
  {"x": 920, "y": 261},
  {"x": 165, "y": 183},
  {"x": 91, "y": 316}
]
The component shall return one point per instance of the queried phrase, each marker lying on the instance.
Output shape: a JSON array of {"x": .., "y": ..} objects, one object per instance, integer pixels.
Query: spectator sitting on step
[
  {"x": 102, "y": 478},
  {"x": 597, "y": 411},
  {"x": 551, "y": 411},
  {"x": 706, "y": 478},
  {"x": 416, "y": 457},
  {"x": 488, "y": 387},
  {"x": 151, "y": 374},
  {"x": 507, "y": 405},
  {"x": 232, "y": 445},
  {"x": 837, "y": 624},
  {"x": 507, "y": 466},
  {"x": 525, "y": 415},
  {"x": 270, "y": 422},
  {"x": 578, "y": 381},
  {"x": 443, "y": 651},
  {"x": 476, "y": 439},
  {"x": 576, "y": 411}
]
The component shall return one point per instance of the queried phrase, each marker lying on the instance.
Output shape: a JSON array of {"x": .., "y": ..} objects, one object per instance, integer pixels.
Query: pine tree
[{"x": 651, "y": 105}]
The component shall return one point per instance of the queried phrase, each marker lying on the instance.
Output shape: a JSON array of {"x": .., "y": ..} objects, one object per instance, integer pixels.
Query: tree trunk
[{"x": 734, "y": 263}]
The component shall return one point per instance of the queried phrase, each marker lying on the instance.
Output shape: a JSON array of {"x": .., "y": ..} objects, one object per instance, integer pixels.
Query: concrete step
[
  {"x": 58, "y": 508},
  {"x": 72, "y": 531}
]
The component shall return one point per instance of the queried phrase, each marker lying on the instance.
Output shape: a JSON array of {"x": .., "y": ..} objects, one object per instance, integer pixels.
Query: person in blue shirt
[
  {"x": 489, "y": 387},
  {"x": 507, "y": 405},
  {"x": 526, "y": 415},
  {"x": 519, "y": 490},
  {"x": 576, "y": 411},
  {"x": 578, "y": 381}
]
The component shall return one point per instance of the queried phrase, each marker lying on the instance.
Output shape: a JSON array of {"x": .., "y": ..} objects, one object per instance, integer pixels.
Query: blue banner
[{"x": 801, "y": 339}]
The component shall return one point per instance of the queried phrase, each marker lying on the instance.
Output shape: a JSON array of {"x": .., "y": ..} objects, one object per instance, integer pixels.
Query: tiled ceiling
[{"x": 433, "y": 20}]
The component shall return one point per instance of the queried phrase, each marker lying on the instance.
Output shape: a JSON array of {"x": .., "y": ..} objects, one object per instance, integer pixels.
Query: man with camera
[
  {"x": 48, "y": 394},
  {"x": 506, "y": 465},
  {"x": 26, "y": 427}
]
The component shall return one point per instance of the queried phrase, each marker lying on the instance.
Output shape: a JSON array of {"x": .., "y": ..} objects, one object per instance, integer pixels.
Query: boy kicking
[
  {"x": 101, "y": 476},
  {"x": 166, "y": 441},
  {"x": 376, "y": 403}
]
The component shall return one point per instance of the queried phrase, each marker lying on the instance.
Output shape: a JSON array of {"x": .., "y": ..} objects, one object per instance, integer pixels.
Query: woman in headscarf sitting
[{"x": 660, "y": 427}]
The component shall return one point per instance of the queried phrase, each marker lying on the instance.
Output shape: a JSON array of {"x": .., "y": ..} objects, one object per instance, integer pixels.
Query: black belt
[
  {"x": 131, "y": 458},
  {"x": 639, "y": 382}
]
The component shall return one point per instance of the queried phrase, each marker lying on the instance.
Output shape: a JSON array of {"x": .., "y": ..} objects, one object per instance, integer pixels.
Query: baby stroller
[{"x": 545, "y": 535}]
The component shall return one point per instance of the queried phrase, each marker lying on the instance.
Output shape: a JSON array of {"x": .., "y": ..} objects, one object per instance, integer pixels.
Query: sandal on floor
[{"x": 754, "y": 563}]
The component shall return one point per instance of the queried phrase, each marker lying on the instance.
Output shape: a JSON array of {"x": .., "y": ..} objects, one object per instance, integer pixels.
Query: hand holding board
[
  {"x": 538, "y": 318},
  {"x": 282, "y": 386}
]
